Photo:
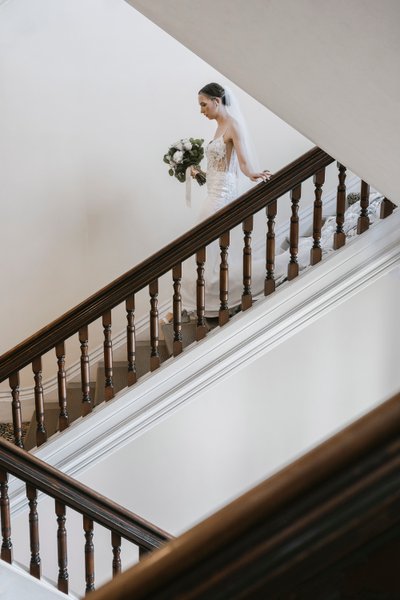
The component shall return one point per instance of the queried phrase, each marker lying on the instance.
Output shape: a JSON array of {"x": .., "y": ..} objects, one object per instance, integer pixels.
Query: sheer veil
[{"x": 233, "y": 109}]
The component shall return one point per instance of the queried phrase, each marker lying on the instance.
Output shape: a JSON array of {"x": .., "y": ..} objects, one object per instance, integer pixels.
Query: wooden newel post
[
  {"x": 85, "y": 371},
  {"x": 177, "y": 309},
  {"x": 339, "y": 239},
  {"x": 316, "y": 250},
  {"x": 247, "y": 299},
  {"x": 16, "y": 409},
  {"x": 41, "y": 434},
  {"x": 269, "y": 285},
  {"x": 201, "y": 328},
  {"x": 108, "y": 357},
  {"x": 223, "y": 316},
  {"x": 155, "y": 353},
  {"x": 130, "y": 339},
  {"x": 63, "y": 419},
  {"x": 363, "y": 219},
  {"x": 6, "y": 546},
  {"x": 293, "y": 266}
]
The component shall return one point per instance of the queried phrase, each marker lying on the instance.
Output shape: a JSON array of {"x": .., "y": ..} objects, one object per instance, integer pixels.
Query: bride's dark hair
[{"x": 214, "y": 90}]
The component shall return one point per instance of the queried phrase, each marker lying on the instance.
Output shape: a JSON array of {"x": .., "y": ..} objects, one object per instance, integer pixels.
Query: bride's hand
[
  {"x": 264, "y": 176},
  {"x": 194, "y": 172}
]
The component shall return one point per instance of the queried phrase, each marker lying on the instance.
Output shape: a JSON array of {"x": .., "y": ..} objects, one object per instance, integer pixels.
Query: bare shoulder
[{"x": 233, "y": 130}]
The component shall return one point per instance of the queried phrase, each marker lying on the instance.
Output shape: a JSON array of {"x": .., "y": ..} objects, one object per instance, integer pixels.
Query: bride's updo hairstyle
[{"x": 214, "y": 90}]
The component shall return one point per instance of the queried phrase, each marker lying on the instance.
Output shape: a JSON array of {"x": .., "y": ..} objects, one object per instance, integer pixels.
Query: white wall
[
  {"x": 16, "y": 583},
  {"x": 92, "y": 95},
  {"x": 327, "y": 68}
]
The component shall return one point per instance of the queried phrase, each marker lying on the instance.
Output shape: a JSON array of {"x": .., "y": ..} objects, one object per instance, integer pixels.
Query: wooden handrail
[
  {"x": 287, "y": 528},
  {"x": 70, "y": 492},
  {"x": 162, "y": 261}
]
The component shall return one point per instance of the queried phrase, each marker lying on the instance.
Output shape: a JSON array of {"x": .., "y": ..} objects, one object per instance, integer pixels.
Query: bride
[
  {"x": 228, "y": 151},
  {"x": 227, "y": 154}
]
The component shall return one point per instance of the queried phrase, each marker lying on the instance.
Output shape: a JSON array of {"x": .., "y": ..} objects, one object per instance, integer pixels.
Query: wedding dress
[{"x": 222, "y": 189}]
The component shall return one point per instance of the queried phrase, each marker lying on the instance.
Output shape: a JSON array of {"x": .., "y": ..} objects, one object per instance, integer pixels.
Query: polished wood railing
[
  {"x": 170, "y": 258},
  {"x": 326, "y": 526},
  {"x": 66, "y": 492}
]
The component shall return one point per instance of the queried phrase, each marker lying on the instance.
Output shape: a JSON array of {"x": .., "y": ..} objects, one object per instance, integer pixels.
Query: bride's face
[{"x": 208, "y": 106}]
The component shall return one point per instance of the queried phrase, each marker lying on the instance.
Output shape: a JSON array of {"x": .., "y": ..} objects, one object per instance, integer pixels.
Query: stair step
[
  {"x": 188, "y": 335},
  {"x": 74, "y": 391},
  {"x": 52, "y": 410},
  {"x": 188, "y": 332}
]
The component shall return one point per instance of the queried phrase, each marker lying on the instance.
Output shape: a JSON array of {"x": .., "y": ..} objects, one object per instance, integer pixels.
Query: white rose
[
  {"x": 177, "y": 157},
  {"x": 188, "y": 146},
  {"x": 179, "y": 146}
]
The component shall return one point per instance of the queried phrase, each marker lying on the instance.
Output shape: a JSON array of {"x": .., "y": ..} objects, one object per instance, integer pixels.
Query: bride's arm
[{"x": 243, "y": 158}]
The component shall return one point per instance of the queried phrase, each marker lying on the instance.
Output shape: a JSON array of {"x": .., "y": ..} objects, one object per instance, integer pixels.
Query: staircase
[
  {"x": 74, "y": 391},
  {"x": 79, "y": 398},
  {"x": 97, "y": 393},
  {"x": 326, "y": 526},
  {"x": 150, "y": 365}
]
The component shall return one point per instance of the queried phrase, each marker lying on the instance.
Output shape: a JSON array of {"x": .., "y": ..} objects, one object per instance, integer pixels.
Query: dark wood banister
[
  {"x": 374, "y": 439},
  {"x": 162, "y": 261},
  {"x": 63, "y": 488}
]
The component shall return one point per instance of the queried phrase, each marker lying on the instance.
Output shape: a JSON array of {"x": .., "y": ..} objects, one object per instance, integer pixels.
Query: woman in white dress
[
  {"x": 228, "y": 151},
  {"x": 227, "y": 155}
]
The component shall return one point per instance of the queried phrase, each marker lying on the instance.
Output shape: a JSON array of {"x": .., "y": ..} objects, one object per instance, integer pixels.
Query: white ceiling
[{"x": 330, "y": 69}]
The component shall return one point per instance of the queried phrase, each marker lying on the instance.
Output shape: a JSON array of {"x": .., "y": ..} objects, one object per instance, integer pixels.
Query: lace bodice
[
  {"x": 217, "y": 159},
  {"x": 221, "y": 177}
]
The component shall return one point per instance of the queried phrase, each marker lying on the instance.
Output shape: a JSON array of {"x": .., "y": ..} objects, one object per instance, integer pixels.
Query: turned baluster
[
  {"x": 387, "y": 208},
  {"x": 363, "y": 219},
  {"x": 201, "y": 328},
  {"x": 85, "y": 371},
  {"x": 177, "y": 309},
  {"x": 108, "y": 357},
  {"x": 339, "y": 238},
  {"x": 6, "y": 546},
  {"x": 316, "y": 250},
  {"x": 62, "y": 548},
  {"x": 41, "y": 434},
  {"x": 154, "y": 354},
  {"x": 63, "y": 419},
  {"x": 116, "y": 548},
  {"x": 35, "y": 564},
  {"x": 16, "y": 409},
  {"x": 223, "y": 316},
  {"x": 130, "y": 338},
  {"x": 247, "y": 299},
  {"x": 89, "y": 553},
  {"x": 293, "y": 266},
  {"x": 269, "y": 285}
]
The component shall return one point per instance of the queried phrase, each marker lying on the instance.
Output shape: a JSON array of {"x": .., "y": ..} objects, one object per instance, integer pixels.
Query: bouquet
[{"x": 183, "y": 154}]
